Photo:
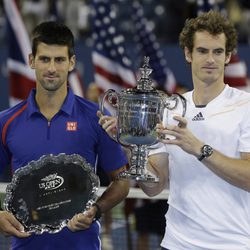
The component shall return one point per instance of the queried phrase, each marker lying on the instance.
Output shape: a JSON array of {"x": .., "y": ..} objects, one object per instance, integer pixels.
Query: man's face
[
  {"x": 52, "y": 65},
  {"x": 208, "y": 57}
]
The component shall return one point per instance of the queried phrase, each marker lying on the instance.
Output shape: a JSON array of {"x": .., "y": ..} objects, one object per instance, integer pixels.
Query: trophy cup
[
  {"x": 45, "y": 194},
  {"x": 138, "y": 110}
]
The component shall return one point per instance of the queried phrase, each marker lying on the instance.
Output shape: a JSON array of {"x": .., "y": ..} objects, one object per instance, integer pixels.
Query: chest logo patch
[
  {"x": 198, "y": 117},
  {"x": 71, "y": 126}
]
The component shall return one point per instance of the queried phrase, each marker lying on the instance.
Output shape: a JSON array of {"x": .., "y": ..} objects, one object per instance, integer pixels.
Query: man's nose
[
  {"x": 210, "y": 57},
  {"x": 52, "y": 67}
]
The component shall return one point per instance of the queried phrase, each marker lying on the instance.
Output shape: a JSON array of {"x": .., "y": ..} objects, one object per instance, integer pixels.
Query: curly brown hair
[{"x": 212, "y": 22}]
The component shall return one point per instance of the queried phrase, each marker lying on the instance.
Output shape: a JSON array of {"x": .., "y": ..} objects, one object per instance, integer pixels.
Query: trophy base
[{"x": 138, "y": 177}]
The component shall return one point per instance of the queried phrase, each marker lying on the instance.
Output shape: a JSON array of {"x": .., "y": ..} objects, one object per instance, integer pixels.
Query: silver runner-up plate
[{"x": 45, "y": 194}]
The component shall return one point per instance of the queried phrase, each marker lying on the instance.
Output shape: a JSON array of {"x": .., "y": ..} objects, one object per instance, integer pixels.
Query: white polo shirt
[{"x": 205, "y": 211}]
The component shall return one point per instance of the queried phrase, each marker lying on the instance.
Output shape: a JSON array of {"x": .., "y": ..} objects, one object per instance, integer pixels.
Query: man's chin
[{"x": 51, "y": 86}]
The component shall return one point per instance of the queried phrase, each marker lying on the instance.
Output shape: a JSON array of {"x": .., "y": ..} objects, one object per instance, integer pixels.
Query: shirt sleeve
[
  {"x": 4, "y": 152},
  {"x": 110, "y": 153},
  {"x": 244, "y": 140}
]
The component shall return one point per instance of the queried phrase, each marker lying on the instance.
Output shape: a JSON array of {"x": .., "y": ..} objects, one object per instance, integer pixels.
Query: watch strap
[
  {"x": 201, "y": 157},
  {"x": 98, "y": 211}
]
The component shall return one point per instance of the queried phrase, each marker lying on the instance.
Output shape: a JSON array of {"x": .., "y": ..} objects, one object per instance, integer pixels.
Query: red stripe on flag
[
  {"x": 236, "y": 81},
  {"x": 234, "y": 59},
  {"x": 20, "y": 85}
]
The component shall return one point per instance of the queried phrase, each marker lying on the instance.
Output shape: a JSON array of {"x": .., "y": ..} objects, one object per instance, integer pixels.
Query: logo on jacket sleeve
[{"x": 71, "y": 126}]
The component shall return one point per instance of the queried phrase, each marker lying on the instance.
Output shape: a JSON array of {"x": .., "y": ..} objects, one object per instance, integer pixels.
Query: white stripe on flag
[
  {"x": 238, "y": 69},
  {"x": 20, "y": 68},
  {"x": 18, "y": 27},
  {"x": 75, "y": 84},
  {"x": 114, "y": 68},
  {"x": 105, "y": 84}
]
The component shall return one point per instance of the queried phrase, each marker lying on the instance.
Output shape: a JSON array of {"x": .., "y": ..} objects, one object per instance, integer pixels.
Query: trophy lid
[{"x": 144, "y": 83}]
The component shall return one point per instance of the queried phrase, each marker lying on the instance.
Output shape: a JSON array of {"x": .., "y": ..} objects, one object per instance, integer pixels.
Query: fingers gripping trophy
[{"x": 138, "y": 111}]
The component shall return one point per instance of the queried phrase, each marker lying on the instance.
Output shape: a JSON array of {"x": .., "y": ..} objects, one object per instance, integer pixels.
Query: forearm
[
  {"x": 157, "y": 165},
  {"x": 234, "y": 171},
  {"x": 114, "y": 194}
]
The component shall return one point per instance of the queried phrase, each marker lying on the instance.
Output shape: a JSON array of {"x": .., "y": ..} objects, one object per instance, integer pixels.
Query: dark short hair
[
  {"x": 53, "y": 33},
  {"x": 212, "y": 22}
]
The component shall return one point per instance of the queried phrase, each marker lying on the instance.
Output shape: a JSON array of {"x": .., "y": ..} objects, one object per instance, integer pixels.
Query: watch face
[{"x": 207, "y": 150}]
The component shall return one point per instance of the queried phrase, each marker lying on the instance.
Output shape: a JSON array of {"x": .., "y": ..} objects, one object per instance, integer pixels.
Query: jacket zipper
[{"x": 48, "y": 130}]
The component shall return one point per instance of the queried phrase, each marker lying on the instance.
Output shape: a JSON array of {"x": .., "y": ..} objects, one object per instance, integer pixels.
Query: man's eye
[
  {"x": 218, "y": 52},
  {"x": 59, "y": 60},
  {"x": 44, "y": 59},
  {"x": 202, "y": 51}
]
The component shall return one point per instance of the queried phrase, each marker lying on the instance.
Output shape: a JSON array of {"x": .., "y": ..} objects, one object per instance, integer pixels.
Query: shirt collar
[{"x": 67, "y": 106}]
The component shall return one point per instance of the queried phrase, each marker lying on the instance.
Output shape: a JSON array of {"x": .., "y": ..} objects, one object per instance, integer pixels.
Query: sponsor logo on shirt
[
  {"x": 71, "y": 126},
  {"x": 198, "y": 117}
]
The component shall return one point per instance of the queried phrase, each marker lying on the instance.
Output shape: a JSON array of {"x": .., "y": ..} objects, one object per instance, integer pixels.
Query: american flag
[
  {"x": 236, "y": 73},
  {"x": 21, "y": 76},
  {"x": 112, "y": 66},
  {"x": 148, "y": 46}
]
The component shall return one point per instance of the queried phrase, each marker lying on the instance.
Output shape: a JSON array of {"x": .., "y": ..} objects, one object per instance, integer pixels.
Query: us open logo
[{"x": 51, "y": 182}]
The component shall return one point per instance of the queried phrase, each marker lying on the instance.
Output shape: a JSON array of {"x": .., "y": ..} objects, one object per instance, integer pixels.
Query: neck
[
  {"x": 205, "y": 93},
  {"x": 50, "y": 102}
]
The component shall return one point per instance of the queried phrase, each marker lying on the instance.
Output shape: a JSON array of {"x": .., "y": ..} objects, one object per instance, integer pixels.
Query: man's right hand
[
  {"x": 108, "y": 123},
  {"x": 10, "y": 226}
]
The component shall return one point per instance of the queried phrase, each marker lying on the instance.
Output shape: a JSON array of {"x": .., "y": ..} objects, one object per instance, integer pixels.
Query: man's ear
[
  {"x": 31, "y": 61},
  {"x": 228, "y": 57},
  {"x": 72, "y": 62},
  {"x": 188, "y": 56}
]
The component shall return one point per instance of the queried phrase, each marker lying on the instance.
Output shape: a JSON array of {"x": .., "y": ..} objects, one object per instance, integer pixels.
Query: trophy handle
[
  {"x": 111, "y": 94},
  {"x": 172, "y": 102},
  {"x": 177, "y": 104}
]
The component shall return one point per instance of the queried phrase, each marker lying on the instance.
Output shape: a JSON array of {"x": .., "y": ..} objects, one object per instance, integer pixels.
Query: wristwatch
[
  {"x": 98, "y": 211},
  {"x": 206, "y": 151}
]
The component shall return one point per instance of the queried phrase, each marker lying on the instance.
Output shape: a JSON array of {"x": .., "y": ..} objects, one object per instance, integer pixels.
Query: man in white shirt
[{"x": 207, "y": 165}]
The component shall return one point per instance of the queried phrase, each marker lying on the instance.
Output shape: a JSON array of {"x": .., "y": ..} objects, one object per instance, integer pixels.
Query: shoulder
[
  {"x": 86, "y": 104},
  {"x": 87, "y": 108},
  {"x": 237, "y": 96},
  {"x": 188, "y": 95},
  {"x": 11, "y": 113},
  {"x": 238, "y": 92}
]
